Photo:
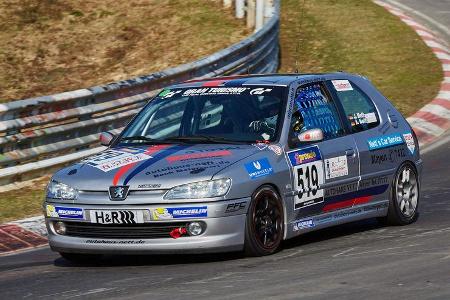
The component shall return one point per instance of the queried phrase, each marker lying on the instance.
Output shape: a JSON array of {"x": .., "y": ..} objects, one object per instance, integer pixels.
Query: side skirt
[{"x": 351, "y": 214}]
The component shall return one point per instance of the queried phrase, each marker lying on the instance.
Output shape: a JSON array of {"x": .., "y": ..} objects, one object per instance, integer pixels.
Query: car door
[
  {"x": 323, "y": 171},
  {"x": 379, "y": 150}
]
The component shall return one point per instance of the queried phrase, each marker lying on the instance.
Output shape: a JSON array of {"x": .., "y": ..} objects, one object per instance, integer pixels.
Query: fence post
[
  {"x": 240, "y": 9},
  {"x": 251, "y": 12},
  {"x": 259, "y": 22},
  {"x": 268, "y": 9},
  {"x": 227, "y": 3}
]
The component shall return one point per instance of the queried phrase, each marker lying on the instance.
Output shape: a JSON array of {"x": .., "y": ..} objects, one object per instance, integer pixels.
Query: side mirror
[
  {"x": 311, "y": 135},
  {"x": 106, "y": 138}
]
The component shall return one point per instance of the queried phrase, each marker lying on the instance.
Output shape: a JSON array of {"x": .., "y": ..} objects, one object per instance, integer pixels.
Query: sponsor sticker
[
  {"x": 276, "y": 149},
  {"x": 115, "y": 158},
  {"x": 259, "y": 91},
  {"x": 304, "y": 156},
  {"x": 336, "y": 167},
  {"x": 169, "y": 213},
  {"x": 168, "y": 94},
  {"x": 233, "y": 207},
  {"x": 409, "y": 140},
  {"x": 259, "y": 168},
  {"x": 385, "y": 141},
  {"x": 189, "y": 156},
  {"x": 215, "y": 91},
  {"x": 371, "y": 117},
  {"x": 342, "y": 85},
  {"x": 64, "y": 212},
  {"x": 303, "y": 224}
]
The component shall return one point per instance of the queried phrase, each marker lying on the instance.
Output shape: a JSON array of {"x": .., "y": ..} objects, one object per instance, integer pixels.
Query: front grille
[{"x": 123, "y": 231}]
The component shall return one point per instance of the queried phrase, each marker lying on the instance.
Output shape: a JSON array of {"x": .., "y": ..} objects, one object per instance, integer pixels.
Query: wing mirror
[
  {"x": 311, "y": 135},
  {"x": 106, "y": 138}
]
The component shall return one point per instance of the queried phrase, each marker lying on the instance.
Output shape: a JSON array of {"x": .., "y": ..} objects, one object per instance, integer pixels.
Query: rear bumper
[{"x": 224, "y": 232}]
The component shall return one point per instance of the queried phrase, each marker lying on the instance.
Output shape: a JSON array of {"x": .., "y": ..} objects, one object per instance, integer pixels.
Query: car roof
[{"x": 260, "y": 79}]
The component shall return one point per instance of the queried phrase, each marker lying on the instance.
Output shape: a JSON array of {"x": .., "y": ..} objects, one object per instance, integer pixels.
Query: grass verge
[
  {"x": 359, "y": 36},
  {"x": 51, "y": 46}
]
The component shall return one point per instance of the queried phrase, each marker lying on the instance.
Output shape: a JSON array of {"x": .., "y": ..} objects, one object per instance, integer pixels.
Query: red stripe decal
[
  {"x": 213, "y": 83},
  {"x": 122, "y": 170},
  {"x": 347, "y": 203},
  {"x": 198, "y": 155}
]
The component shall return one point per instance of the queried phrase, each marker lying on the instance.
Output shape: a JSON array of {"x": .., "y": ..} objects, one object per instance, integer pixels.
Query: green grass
[
  {"x": 24, "y": 202},
  {"x": 51, "y": 46},
  {"x": 359, "y": 36}
]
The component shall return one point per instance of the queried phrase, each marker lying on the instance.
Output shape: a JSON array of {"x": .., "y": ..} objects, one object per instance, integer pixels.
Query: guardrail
[{"x": 40, "y": 134}]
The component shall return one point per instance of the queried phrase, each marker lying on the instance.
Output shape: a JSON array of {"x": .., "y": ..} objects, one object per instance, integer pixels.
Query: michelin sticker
[
  {"x": 336, "y": 167},
  {"x": 303, "y": 224},
  {"x": 115, "y": 158},
  {"x": 409, "y": 140},
  {"x": 179, "y": 213},
  {"x": 259, "y": 168},
  {"x": 385, "y": 141},
  {"x": 342, "y": 85},
  {"x": 64, "y": 212}
]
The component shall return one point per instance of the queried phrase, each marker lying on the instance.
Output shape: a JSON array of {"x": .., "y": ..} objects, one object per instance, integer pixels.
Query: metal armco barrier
[{"x": 38, "y": 135}]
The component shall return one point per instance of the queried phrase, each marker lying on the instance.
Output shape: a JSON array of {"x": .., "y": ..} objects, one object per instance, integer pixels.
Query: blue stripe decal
[
  {"x": 372, "y": 191},
  {"x": 147, "y": 163}
]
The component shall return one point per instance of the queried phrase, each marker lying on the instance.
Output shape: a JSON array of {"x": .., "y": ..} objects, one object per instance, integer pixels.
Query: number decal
[{"x": 308, "y": 177}]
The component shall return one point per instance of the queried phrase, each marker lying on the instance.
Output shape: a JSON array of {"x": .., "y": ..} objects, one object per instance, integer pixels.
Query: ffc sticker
[
  {"x": 64, "y": 212},
  {"x": 259, "y": 168},
  {"x": 115, "y": 158},
  {"x": 304, "y": 156},
  {"x": 336, "y": 167},
  {"x": 385, "y": 141},
  {"x": 179, "y": 213},
  {"x": 303, "y": 224},
  {"x": 410, "y": 142},
  {"x": 342, "y": 85}
]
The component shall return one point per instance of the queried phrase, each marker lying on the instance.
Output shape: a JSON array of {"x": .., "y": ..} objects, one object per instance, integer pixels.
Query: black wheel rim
[{"x": 267, "y": 220}]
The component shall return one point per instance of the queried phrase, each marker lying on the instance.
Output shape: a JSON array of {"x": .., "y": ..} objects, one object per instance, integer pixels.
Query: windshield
[{"x": 243, "y": 114}]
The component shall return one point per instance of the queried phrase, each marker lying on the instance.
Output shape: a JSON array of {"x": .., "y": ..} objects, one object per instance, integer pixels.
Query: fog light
[
  {"x": 60, "y": 227},
  {"x": 195, "y": 228}
]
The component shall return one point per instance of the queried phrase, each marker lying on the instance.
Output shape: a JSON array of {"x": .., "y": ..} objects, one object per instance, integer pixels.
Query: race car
[{"x": 238, "y": 164}]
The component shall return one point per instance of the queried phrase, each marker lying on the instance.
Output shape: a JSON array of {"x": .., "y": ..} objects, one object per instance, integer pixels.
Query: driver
[{"x": 266, "y": 126}]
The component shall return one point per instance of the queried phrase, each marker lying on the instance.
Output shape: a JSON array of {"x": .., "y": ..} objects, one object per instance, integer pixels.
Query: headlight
[
  {"x": 59, "y": 190},
  {"x": 201, "y": 189}
]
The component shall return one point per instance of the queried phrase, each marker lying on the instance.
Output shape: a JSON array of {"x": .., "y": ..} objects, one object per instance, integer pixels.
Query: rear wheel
[
  {"x": 404, "y": 202},
  {"x": 80, "y": 258},
  {"x": 264, "y": 225}
]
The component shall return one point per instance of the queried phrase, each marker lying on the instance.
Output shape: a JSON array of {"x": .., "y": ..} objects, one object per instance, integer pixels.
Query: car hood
[{"x": 152, "y": 167}]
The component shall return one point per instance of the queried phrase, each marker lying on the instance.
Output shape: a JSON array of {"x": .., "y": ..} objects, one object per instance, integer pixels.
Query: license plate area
[{"x": 116, "y": 216}]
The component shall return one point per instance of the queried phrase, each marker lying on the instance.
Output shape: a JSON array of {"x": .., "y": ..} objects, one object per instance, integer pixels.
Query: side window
[
  {"x": 359, "y": 110},
  {"x": 211, "y": 115},
  {"x": 313, "y": 108}
]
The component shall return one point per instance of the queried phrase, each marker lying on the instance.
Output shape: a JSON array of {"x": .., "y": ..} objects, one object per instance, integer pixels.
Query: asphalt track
[{"x": 353, "y": 261}]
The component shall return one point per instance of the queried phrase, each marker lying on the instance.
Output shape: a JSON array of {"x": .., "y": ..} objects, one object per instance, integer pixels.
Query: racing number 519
[
  {"x": 312, "y": 181},
  {"x": 308, "y": 178}
]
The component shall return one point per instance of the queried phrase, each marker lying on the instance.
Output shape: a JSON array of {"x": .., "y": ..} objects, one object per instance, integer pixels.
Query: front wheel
[
  {"x": 404, "y": 202},
  {"x": 265, "y": 222}
]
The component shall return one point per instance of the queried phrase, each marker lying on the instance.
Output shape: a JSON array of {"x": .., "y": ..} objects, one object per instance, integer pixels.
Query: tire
[
  {"x": 80, "y": 258},
  {"x": 405, "y": 195},
  {"x": 264, "y": 226}
]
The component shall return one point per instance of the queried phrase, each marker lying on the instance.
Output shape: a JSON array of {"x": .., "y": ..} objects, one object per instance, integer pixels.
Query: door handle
[{"x": 350, "y": 152}]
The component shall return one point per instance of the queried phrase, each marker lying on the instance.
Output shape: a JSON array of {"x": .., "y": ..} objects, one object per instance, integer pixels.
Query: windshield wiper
[
  {"x": 203, "y": 138},
  {"x": 142, "y": 138}
]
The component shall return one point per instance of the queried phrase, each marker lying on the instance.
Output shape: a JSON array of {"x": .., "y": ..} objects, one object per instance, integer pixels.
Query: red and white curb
[
  {"x": 433, "y": 119},
  {"x": 23, "y": 234},
  {"x": 428, "y": 123}
]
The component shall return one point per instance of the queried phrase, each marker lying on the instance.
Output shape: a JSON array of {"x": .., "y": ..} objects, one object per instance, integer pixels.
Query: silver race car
[{"x": 239, "y": 163}]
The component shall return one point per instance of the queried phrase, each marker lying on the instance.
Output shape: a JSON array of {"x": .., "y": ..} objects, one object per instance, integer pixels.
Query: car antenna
[{"x": 297, "y": 47}]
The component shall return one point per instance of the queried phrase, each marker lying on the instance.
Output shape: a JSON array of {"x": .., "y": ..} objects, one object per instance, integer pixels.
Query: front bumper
[{"x": 225, "y": 227}]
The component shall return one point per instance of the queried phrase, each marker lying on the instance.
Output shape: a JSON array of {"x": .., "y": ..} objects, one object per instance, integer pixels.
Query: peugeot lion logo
[
  {"x": 257, "y": 165},
  {"x": 118, "y": 193}
]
